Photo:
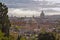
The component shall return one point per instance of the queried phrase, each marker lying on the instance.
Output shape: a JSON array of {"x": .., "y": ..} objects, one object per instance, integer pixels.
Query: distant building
[{"x": 42, "y": 15}]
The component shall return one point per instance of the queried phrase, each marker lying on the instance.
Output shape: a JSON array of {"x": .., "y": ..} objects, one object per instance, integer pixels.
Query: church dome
[{"x": 42, "y": 15}]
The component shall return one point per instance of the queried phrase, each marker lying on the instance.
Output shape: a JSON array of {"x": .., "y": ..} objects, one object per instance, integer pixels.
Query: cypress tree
[{"x": 4, "y": 19}]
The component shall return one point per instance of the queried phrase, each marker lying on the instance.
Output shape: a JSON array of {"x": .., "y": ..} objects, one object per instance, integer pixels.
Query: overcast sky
[{"x": 32, "y": 7}]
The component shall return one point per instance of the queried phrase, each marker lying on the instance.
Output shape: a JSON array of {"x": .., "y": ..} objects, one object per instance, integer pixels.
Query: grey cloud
[{"x": 31, "y": 5}]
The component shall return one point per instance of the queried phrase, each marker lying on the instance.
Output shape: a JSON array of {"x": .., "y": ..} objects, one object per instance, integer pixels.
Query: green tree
[
  {"x": 23, "y": 38},
  {"x": 1, "y": 35},
  {"x": 46, "y": 36},
  {"x": 4, "y": 21}
]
